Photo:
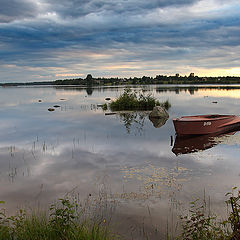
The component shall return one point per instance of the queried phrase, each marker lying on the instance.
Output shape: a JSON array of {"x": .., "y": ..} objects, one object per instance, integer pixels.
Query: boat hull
[{"x": 205, "y": 124}]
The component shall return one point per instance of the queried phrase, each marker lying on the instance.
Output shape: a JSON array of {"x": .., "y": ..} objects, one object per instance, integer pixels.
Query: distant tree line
[{"x": 159, "y": 79}]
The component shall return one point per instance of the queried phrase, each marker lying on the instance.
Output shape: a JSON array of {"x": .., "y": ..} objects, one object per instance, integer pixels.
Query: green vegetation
[
  {"x": 199, "y": 224},
  {"x": 166, "y": 104},
  {"x": 131, "y": 100},
  {"x": 144, "y": 80},
  {"x": 62, "y": 223},
  {"x": 159, "y": 79}
]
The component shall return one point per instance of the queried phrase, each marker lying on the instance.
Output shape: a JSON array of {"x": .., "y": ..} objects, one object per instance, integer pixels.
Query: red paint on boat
[{"x": 205, "y": 124}]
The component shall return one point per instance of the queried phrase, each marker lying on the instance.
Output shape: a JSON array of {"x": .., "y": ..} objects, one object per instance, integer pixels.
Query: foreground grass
[
  {"x": 62, "y": 223},
  {"x": 130, "y": 100},
  {"x": 200, "y": 225}
]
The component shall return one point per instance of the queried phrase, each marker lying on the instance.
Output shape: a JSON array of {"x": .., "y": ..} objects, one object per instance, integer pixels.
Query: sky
[{"x": 43, "y": 40}]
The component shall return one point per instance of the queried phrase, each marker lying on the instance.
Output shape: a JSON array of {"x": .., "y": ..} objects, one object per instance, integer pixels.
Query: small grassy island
[{"x": 130, "y": 100}]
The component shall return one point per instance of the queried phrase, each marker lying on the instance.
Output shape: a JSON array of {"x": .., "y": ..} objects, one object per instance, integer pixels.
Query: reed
[
  {"x": 200, "y": 224},
  {"x": 62, "y": 222},
  {"x": 131, "y": 100}
]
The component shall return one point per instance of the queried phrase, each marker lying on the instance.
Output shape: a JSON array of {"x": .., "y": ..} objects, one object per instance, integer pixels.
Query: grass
[
  {"x": 131, "y": 100},
  {"x": 62, "y": 223},
  {"x": 200, "y": 225}
]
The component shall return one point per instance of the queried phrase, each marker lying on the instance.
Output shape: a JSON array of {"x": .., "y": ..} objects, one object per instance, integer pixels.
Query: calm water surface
[{"x": 76, "y": 148}]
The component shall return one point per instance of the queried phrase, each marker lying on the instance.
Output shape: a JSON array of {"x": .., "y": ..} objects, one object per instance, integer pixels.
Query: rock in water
[
  {"x": 158, "y": 112},
  {"x": 158, "y": 122}
]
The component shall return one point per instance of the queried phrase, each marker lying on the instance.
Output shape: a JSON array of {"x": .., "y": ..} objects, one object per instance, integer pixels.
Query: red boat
[{"x": 205, "y": 124}]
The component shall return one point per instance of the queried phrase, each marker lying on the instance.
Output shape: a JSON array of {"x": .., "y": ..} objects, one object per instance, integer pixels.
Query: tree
[{"x": 89, "y": 80}]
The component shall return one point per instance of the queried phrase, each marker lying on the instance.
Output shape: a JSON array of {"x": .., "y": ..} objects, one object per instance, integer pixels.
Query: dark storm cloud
[
  {"x": 82, "y": 7},
  {"x": 49, "y": 33},
  {"x": 176, "y": 39},
  {"x": 16, "y": 9}
]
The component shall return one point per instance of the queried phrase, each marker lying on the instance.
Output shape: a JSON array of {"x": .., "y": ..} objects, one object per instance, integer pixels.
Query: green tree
[{"x": 89, "y": 79}]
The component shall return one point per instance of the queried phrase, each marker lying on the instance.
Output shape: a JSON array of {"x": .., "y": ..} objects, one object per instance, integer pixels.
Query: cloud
[
  {"x": 76, "y": 8},
  {"x": 88, "y": 35},
  {"x": 17, "y": 9}
]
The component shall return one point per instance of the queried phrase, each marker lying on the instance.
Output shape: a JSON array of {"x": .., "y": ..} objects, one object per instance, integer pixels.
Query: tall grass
[
  {"x": 131, "y": 100},
  {"x": 199, "y": 224},
  {"x": 61, "y": 223},
  {"x": 64, "y": 222}
]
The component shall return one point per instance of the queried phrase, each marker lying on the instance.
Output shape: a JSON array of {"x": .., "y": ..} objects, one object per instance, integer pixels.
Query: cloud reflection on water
[{"x": 45, "y": 155}]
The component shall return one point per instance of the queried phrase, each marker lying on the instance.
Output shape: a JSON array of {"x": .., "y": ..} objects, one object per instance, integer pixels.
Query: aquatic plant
[
  {"x": 104, "y": 106},
  {"x": 131, "y": 100},
  {"x": 234, "y": 217},
  {"x": 200, "y": 225},
  {"x": 166, "y": 104}
]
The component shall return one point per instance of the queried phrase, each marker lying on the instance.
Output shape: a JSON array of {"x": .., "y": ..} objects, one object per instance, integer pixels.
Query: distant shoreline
[{"x": 89, "y": 81}]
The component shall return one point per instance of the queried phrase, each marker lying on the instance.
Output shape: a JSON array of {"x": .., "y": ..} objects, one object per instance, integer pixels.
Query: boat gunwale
[{"x": 200, "y": 118}]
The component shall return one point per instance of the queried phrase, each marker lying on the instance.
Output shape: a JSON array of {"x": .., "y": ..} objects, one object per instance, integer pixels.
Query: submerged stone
[
  {"x": 158, "y": 122},
  {"x": 110, "y": 113}
]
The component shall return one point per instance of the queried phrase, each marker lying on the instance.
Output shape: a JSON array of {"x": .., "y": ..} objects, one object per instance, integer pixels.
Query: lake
[{"x": 145, "y": 176}]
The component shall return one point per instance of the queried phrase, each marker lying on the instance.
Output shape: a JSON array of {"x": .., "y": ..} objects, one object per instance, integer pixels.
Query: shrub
[{"x": 130, "y": 100}]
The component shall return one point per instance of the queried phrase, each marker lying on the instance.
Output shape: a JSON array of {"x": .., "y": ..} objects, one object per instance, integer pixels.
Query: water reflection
[
  {"x": 44, "y": 155},
  {"x": 158, "y": 122},
  {"x": 138, "y": 119},
  {"x": 194, "y": 89},
  {"x": 89, "y": 90},
  {"x": 130, "y": 118},
  {"x": 191, "y": 144}
]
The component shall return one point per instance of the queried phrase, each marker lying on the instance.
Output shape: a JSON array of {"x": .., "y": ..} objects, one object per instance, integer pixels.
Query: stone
[
  {"x": 159, "y": 112},
  {"x": 158, "y": 122},
  {"x": 110, "y": 113}
]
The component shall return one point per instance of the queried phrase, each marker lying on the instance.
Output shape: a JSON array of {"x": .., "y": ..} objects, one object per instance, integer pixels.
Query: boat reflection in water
[{"x": 195, "y": 143}]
